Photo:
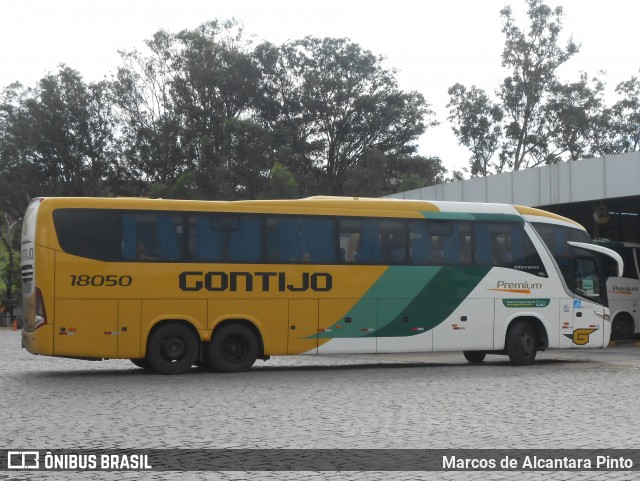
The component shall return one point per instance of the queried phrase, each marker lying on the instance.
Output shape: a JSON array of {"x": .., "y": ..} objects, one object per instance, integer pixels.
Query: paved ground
[{"x": 567, "y": 399}]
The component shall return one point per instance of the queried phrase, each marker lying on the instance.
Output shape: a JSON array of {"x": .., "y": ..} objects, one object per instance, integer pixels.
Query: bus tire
[
  {"x": 474, "y": 357},
  {"x": 234, "y": 348},
  {"x": 622, "y": 327},
  {"x": 521, "y": 343},
  {"x": 173, "y": 348},
  {"x": 141, "y": 363}
]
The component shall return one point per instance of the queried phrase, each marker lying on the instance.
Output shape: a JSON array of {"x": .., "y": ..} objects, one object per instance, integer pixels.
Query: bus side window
[
  {"x": 361, "y": 240},
  {"x": 506, "y": 244},
  {"x": 152, "y": 236},
  {"x": 610, "y": 266},
  {"x": 393, "y": 240},
  {"x": 451, "y": 242},
  {"x": 419, "y": 242},
  {"x": 90, "y": 233},
  {"x": 223, "y": 237},
  {"x": 300, "y": 239}
]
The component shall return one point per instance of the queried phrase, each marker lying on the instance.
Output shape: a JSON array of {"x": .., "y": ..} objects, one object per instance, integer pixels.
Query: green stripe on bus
[
  {"x": 473, "y": 216},
  {"x": 435, "y": 303},
  {"x": 410, "y": 300}
]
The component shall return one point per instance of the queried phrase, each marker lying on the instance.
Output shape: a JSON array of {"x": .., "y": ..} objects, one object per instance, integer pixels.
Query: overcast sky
[{"x": 432, "y": 43}]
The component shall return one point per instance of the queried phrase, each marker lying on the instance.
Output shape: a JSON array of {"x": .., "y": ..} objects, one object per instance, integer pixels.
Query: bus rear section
[{"x": 37, "y": 333}]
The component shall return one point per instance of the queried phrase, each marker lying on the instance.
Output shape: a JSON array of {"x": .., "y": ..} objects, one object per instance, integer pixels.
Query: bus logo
[
  {"x": 516, "y": 287},
  {"x": 580, "y": 337},
  {"x": 260, "y": 281},
  {"x": 23, "y": 459}
]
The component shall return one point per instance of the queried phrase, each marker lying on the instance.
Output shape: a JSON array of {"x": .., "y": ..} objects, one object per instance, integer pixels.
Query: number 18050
[{"x": 83, "y": 280}]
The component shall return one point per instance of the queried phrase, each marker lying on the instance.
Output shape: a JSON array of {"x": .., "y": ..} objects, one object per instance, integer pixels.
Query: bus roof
[{"x": 316, "y": 203}]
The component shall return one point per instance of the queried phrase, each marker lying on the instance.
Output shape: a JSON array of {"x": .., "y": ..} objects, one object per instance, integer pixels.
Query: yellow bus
[{"x": 171, "y": 284}]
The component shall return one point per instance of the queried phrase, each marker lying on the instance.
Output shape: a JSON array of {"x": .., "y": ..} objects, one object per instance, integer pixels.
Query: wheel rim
[
  {"x": 621, "y": 329},
  {"x": 527, "y": 343},
  {"x": 173, "y": 349},
  {"x": 234, "y": 349}
]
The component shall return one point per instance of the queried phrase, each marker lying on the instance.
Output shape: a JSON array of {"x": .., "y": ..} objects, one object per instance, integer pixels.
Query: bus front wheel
[
  {"x": 622, "y": 327},
  {"x": 521, "y": 343},
  {"x": 173, "y": 348},
  {"x": 234, "y": 348}
]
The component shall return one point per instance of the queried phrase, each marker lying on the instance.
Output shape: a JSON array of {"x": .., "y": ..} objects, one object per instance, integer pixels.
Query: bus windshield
[{"x": 581, "y": 269}]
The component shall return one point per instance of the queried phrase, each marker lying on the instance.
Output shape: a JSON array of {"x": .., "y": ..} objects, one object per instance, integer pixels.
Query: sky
[{"x": 432, "y": 44}]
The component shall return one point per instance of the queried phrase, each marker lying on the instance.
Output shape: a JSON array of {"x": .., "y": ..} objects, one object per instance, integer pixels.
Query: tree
[
  {"x": 150, "y": 130},
  {"x": 617, "y": 129},
  {"x": 534, "y": 57},
  {"x": 57, "y": 140},
  {"x": 337, "y": 103},
  {"x": 281, "y": 184},
  {"x": 9, "y": 268},
  {"x": 214, "y": 88},
  {"x": 411, "y": 172},
  {"x": 476, "y": 123},
  {"x": 626, "y": 113},
  {"x": 572, "y": 113}
]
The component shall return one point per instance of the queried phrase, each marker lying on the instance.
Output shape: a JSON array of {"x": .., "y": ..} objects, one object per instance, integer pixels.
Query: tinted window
[
  {"x": 629, "y": 263},
  {"x": 556, "y": 237},
  {"x": 300, "y": 239},
  {"x": 499, "y": 244},
  {"x": 152, "y": 236},
  {"x": 225, "y": 238},
  {"x": 93, "y": 233},
  {"x": 112, "y": 235},
  {"x": 578, "y": 267},
  {"x": 506, "y": 244},
  {"x": 373, "y": 241}
]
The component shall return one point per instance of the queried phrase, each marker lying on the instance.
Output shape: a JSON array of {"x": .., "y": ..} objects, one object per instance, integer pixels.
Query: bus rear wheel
[
  {"x": 234, "y": 348},
  {"x": 474, "y": 357},
  {"x": 521, "y": 343},
  {"x": 142, "y": 363},
  {"x": 173, "y": 348}
]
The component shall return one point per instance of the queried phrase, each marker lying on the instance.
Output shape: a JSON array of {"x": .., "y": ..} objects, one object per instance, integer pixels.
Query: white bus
[{"x": 624, "y": 292}]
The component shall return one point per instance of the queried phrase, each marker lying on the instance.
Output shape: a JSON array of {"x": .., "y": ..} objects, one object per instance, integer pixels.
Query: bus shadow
[{"x": 266, "y": 369}]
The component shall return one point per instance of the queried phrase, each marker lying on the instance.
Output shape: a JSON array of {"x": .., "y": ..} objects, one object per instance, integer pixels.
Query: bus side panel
[
  {"x": 354, "y": 331},
  {"x": 303, "y": 326},
  {"x": 470, "y": 327},
  {"x": 155, "y": 310},
  {"x": 130, "y": 345},
  {"x": 86, "y": 328},
  {"x": 415, "y": 335},
  {"x": 270, "y": 316}
]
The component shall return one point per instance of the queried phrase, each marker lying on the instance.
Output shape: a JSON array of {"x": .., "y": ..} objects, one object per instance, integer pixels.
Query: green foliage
[
  {"x": 281, "y": 184},
  {"x": 335, "y": 102},
  {"x": 623, "y": 120},
  {"x": 537, "y": 118},
  {"x": 476, "y": 123},
  {"x": 533, "y": 56},
  {"x": 57, "y": 139},
  {"x": 573, "y": 112},
  {"x": 10, "y": 257}
]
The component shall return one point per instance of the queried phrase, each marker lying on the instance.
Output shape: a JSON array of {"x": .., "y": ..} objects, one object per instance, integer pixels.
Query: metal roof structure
[{"x": 603, "y": 194}]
